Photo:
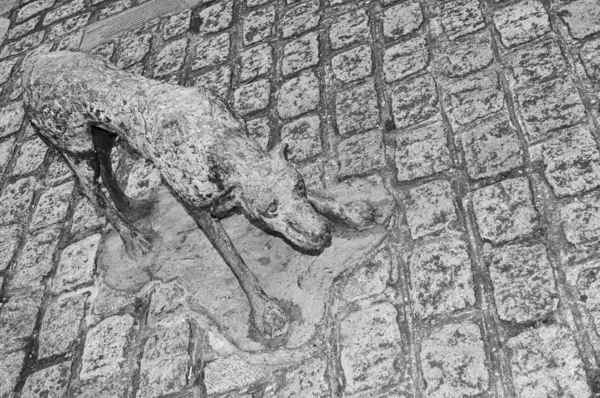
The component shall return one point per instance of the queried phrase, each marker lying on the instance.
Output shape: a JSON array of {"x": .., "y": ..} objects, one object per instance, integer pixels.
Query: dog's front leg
[
  {"x": 270, "y": 320},
  {"x": 355, "y": 214}
]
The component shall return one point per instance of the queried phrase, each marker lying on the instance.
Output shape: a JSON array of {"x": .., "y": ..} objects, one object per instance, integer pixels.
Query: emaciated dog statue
[{"x": 80, "y": 106}]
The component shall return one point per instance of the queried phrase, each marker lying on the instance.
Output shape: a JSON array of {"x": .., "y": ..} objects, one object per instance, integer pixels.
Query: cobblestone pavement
[{"x": 480, "y": 116}]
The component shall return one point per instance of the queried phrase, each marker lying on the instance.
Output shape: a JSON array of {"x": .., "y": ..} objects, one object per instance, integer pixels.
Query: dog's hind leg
[{"x": 131, "y": 209}]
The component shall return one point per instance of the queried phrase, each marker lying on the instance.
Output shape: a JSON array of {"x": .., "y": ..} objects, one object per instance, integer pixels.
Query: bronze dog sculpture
[{"x": 80, "y": 106}]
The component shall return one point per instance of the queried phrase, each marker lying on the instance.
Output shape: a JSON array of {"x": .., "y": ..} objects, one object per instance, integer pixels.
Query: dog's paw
[
  {"x": 271, "y": 321},
  {"x": 359, "y": 213},
  {"x": 137, "y": 245}
]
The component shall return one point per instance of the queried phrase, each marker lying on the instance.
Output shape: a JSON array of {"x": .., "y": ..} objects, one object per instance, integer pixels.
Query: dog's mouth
[{"x": 306, "y": 240}]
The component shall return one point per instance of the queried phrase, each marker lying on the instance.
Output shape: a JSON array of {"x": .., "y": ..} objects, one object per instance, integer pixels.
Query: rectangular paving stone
[
  {"x": 361, "y": 154},
  {"x": 256, "y": 61},
  {"x": 545, "y": 362},
  {"x": 23, "y": 44},
  {"x": 300, "y": 54},
  {"x": 521, "y": 22},
  {"x": 16, "y": 200},
  {"x": 30, "y": 156},
  {"x": 414, "y": 101},
  {"x": 217, "y": 81},
  {"x": 212, "y": 51},
  {"x": 6, "y": 68},
  {"x": 34, "y": 263},
  {"x": 260, "y": 130},
  {"x": 258, "y": 25},
  {"x": 177, "y": 24},
  {"x": 461, "y": 17},
  {"x": 422, "y": 152},
  {"x": 22, "y": 29},
  {"x": 313, "y": 175},
  {"x": 104, "y": 51},
  {"x": 549, "y": 106},
  {"x": 370, "y": 277},
  {"x": 524, "y": 285},
  {"x": 133, "y": 47},
  {"x": 303, "y": 137},
  {"x": 86, "y": 217},
  {"x": 353, "y": 64},
  {"x": 300, "y": 18},
  {"x": 231, "y": 373},
  {"x": 572, "y": 162},
  {"x": 216, "y": 18},
  {"x": 405, "y": 59},
  {"x": 17, "y": 319},
  {"x": 585, "y": 286},
  {"x": 402, "y": 19},
  {"x": 430, "y": 209},
  {"x": 590, "y": 57},
  {"x": 11, "y": 118},
  {"x": 541, "y": 61},
  {"x": 473, "y": 98},
  {"x": 51, "y": 382},
  {"x": 504, "y": 211},
  {"x": 52, "y": 206},
  {"x": 309, "y": 378},
  {"x": 349, "y": 29},
  {"x": 63, "y": 11},
  {"x": 171, "y": 58},
  {"x": 299, "y": 95},
  {"x": 580, "y": 220},
  {"x": 114, "y": 8},
  {"x": 77, "y": 263},
  {"x": 441, "y": 279},
  {"x": 582, "y": 17},
  {"x": 6, "y": 150},
  {"x": 68, "y": 26},
  {"x": 165, "y": 363},
  {"x": 10, "y": 369},
  {"x": 252, "y": 97},
  {"x": 33, "y": 8},
  {"x": 60, "y": 326},
  {"x": 9, "y": 241},
  {"x": 453, "y": 362},
  {"x": 491, "y": 148},
  {"x": 370, "y": 344},
  {"x": 357, "y": 109}
]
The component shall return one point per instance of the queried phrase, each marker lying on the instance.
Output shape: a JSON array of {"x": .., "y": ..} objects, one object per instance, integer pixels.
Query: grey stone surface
[
  {"x": 464, "y": 57},
  {"x": 171, "y": 58},
  {"x": 349, "y": 29},
  {"x": 77, "y": 263},
  {"x": 212, "y": 51},
  {"x": 11, "y": 118},
  {"x": 260, "y": 130},
  {"x": 10, "y": 370},
  {"x": 422, "y": 152},
  {"x": 32, "y": 8},
  {"x": 462, "y": 17},
  {"x": 414, "y": 101},
  {"x": 371, "y": 276},
  {"x": 23, "y": 44},
  {"x": 522, "y": 22},
  {"x": 16, "y": 199},
  {"x": 60, "y": 325},
  {"x": 52, "y": 206},
  {"x": 541, "y": 61},
  {"x": 353, "y": 64},
  {"x": 258, "y": 25},
  {"x": 22, "y": 29},
  {"x": 361, "y": 153},
  {"x": 177, "y": 25},
  {"x": 17, "y": 319},
  {"x": 35, "y": 263},
  {"x": 227, "y": 374},
  {"x": 405, "y": 59},
  {"x": 303, "y": 137},
  {"x": 254, "y": 96},
  {"x": 298, "y": 95},
  {"x": 10, "y": 235},
  {"x": 357, "y": 109},
  {"x": 581, "y": 220},
  {"x": 430, "y": 209},
  {"x": 256, "y": 61},
  {"x": 582, "y": 18},
  {"x": 590, "y": 58},
  {"x": 50, "y": 382},
  {"x": 402, "y": 19},
  {"x": 300, "y": 18},
  {"x": 30, "y": 157},
  {"x": 300, "y": 54},
  {"x": 216, "y": 17}
]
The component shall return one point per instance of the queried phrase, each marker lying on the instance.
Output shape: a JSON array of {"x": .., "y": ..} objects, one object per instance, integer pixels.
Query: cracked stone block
[
  {"x": 64, "y": 11},
  {"x": 361, "y": 154},
  {"x": 177, "y": 25},
  {"x": 300, "y": 18},
  {"x": 252, "y": 97},
  {"x": 33, "y": 8},
  {"x": 6, "y": 150},
  {"x": 303, "y": 137},
  {"x": 230, "y": 373},
  {"x": 165, "y": 362},
  {"x": 441, "y": 278},
  {"x": 422, "y": 152},
  {"x": 370, "y": 278},
  {"x": 491, "y": 148},
  {"x": 10, "y": 369},
  {"x": 134, "y": 47},
  {"x": 313, "y": 175},
  {"x": 104, "y": 51},
  {"x": 581, "y": 220},
  {"x": 473, "y": 98},
  {"x": 300, "y": 54},
  {"x": 549, "y": 106},
  {"x": 405, "y": 59},
  {"x": 212, "y": 51},
  {"x": 357, "y": 109},
  {"x": 171, "y": 58},
  {"x": 104, "y": 351},
  {"x": 524, "y": 286},
  {"x": 541, "y": 61},
  {"x": 521, "y": 22},
  {"x": 430, "y": 209},
  {"x": 109, "y": 302},
  {"x": 6, "y": 68},
  {"x": 256, "y": 61},
  {"x": 17, "y": 319},
  {"x": 353, "y": 64},
  {"x": 504, "y": 211},
  {"x": 114, "y": 8},
  {"x": 16, "y": 199},
  {"x": 34, "y": 263},
  {"x": 370, "y": 342},
  {"x": 299, "y": 95},
  {"x": 453, "y": 362},
  {"x": 572, "y": 162},
  {"x": 49, "y": 382},
  {"x": 260, "y": 130},
  {"x": 60, "y": 326},
  {"x": 11, "y": 118},
  {"x": 402, "y": 19},
  {"x": 465, "y": 57},
  {"x": 258, "y": 25},
  {"x": 216, "y": 17},
  {"x": 582, "y": 17},
  {"x": 349, "y": 29},
  {"x": 77, "y": 263},
  {"x": 217, "y": 81},
  {"x": 545, "y": 361},
  {"x": 26, "y": 43},
  {"x": 68, "y": 26},
  {"x": 9, "y": 241},
  {"x": 309, "y": 379},
  {"x": 86, "y": 218},
  {"x": 459, "y": 18},
  {"x": 52, "y": 206},
  {"x": 22, "y": 29},
  {"x": 414, "y": 101},
  {"x": 589, "y": 55}
]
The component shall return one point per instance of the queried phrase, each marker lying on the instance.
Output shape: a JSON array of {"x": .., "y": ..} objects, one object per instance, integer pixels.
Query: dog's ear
[{"x": 281, "y": 150}]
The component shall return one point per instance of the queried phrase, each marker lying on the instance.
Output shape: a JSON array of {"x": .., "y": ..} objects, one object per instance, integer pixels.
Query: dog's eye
[
  {"x": 301, "y": 188},
  {"x": 272, "y": 209}
]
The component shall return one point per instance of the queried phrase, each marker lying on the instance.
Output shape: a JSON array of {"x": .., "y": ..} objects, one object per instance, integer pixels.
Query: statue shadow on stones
[{"x": 299, "y": 282}]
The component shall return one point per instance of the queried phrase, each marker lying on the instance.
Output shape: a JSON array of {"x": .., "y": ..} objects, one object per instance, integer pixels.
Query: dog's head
[{"x": 274, "y": 195}]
